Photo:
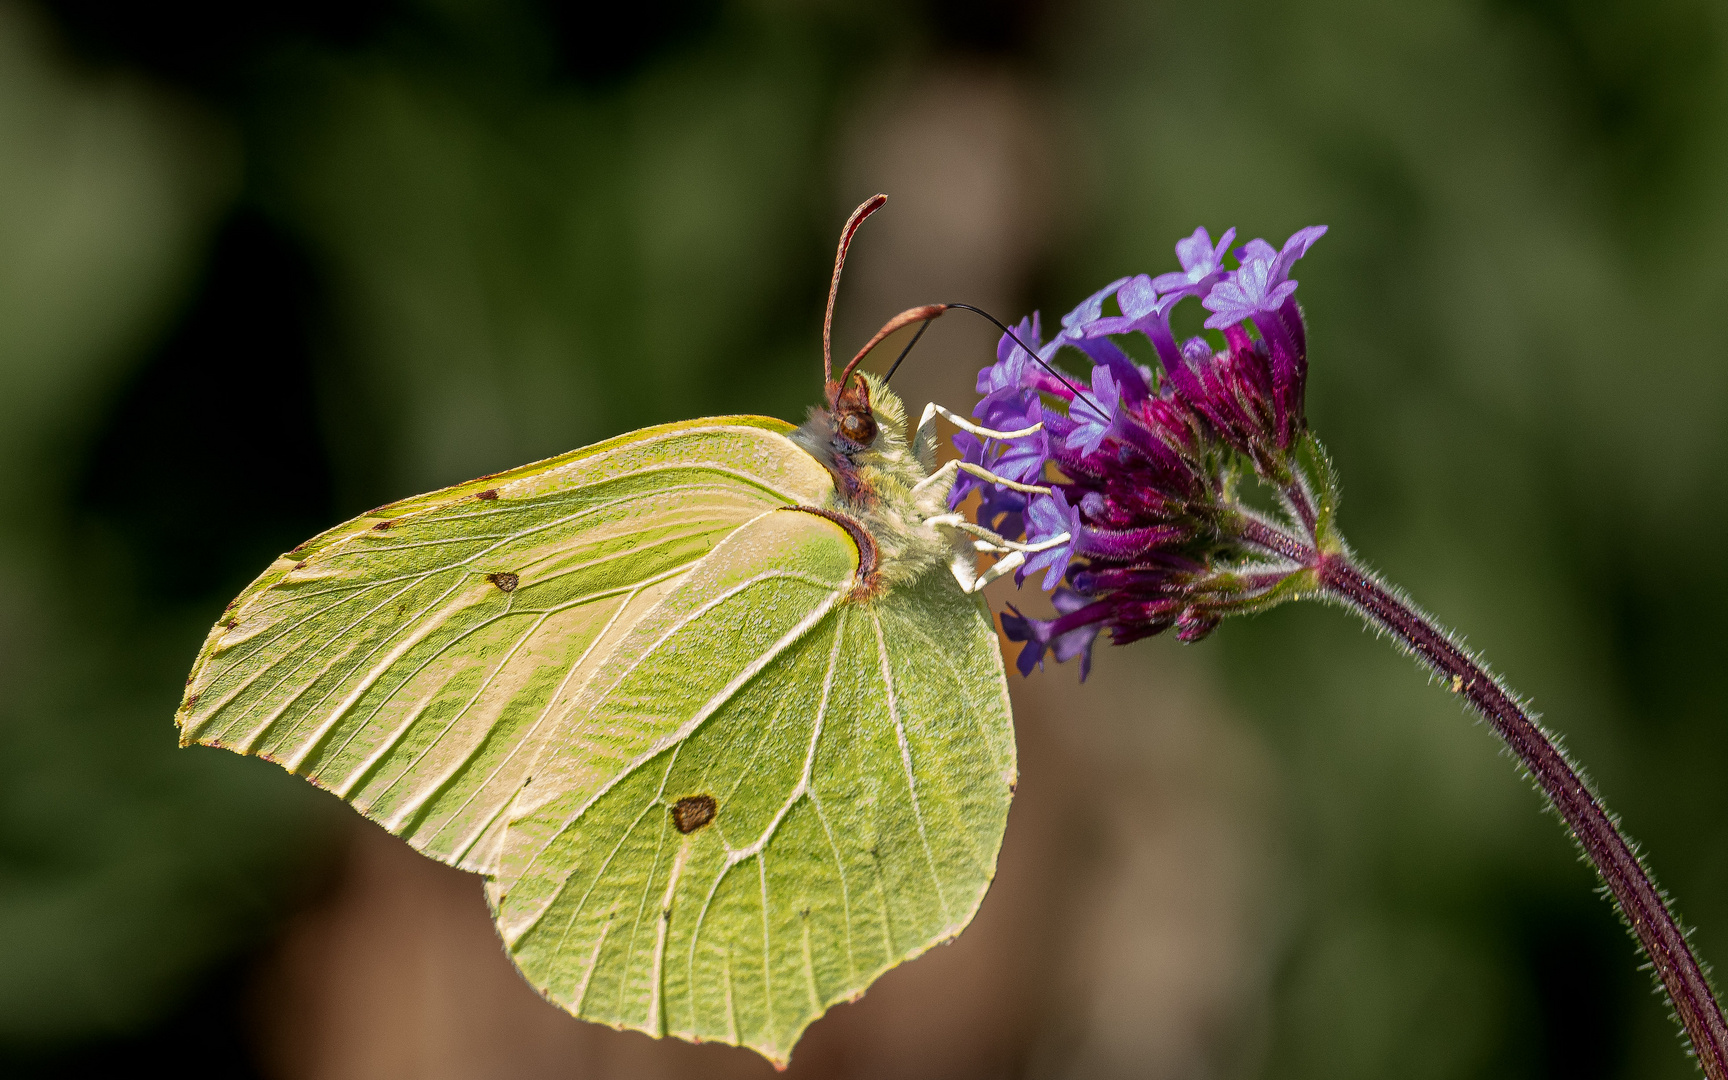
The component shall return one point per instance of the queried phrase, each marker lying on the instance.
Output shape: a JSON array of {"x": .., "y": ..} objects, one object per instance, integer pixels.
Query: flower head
[{"x": 1143, "y": 523}]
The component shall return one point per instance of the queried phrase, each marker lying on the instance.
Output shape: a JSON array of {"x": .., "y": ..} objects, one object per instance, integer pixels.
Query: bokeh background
[{"x": 265, "y": 265}]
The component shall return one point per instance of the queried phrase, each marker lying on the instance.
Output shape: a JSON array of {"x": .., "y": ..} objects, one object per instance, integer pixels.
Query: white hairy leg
[
  {"x": 1013, "y": 552},
  {"x": 971, "y": 581},
  {"x": 992, "y": 541},
  {"x": 924, "y": 438},
  {"x": 946, "y": 474}
]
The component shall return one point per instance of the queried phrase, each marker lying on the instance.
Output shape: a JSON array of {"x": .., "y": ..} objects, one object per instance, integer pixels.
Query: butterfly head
[
  {"x": 863, "y": 430},
  {"x": 861, "y": 436},
  {"x": 854, "y": 423}
]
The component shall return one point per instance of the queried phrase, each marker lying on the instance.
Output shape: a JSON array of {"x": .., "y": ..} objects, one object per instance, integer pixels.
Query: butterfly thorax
[{"x": 873, "y": 486}]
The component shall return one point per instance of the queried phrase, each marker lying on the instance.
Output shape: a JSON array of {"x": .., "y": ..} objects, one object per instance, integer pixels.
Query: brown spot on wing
[
  {"x": 489, "y": 494},
  {"x": 383, "y": 525},
  {"x": 505, "y": 582},
  {"x": 693, "y": 811}
]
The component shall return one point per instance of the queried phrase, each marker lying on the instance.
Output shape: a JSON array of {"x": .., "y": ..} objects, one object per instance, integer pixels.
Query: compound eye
[{"x": 858, "y": 428}]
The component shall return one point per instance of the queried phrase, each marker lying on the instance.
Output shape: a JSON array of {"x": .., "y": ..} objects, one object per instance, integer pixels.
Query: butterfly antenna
[
  {"x": 1033, "y": 353},
  {"x": 865, "y": 209},
  {"x": 924, "y": 314}
]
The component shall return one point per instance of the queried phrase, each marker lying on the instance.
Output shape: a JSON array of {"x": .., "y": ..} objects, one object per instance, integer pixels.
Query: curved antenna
[
  {"x": 923, "y": 314},
  {"x": 928, "y": 314},
  {"x": 865, "y": 209}
]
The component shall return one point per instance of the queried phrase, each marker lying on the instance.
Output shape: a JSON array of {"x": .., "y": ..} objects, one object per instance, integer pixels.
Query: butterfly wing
[
  {"x": 843, "y": 770},
  {"x": 411, "y": 660}
]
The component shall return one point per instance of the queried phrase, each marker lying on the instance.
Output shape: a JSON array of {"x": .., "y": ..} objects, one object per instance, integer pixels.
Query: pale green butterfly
[{"x": 715, "y": 706}]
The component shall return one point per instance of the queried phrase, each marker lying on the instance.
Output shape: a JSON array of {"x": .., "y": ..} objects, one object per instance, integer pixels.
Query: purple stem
[
  {"x": 1642, "y": 905},
  {"x": 1275, "y": 541}
]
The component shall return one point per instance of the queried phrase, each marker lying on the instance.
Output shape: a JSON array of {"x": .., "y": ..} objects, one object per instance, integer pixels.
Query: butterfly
[{"x": 715, "y": 707}]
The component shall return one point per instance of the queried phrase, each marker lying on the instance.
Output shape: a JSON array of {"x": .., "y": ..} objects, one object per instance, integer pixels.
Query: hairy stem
[{"x": 1643, "y": 906}]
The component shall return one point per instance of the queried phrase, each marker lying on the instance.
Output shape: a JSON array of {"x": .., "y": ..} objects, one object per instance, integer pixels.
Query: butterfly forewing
[
  {"x": 412, "y": 660},
  {"x": 771, "y": 794}
]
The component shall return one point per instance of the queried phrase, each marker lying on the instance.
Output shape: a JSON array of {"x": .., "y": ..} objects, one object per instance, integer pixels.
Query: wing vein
[
  {"x": 684, "y": 730},
  {"x": 906, "y": 763}
]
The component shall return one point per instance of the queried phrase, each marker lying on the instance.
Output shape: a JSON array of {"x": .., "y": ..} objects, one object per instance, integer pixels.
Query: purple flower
[
  {"x": 1009, "y": 372},
  {"x": 1085, "y": 328},
  {"x": 1017, "y": 370},
  {"x": 1262, "y": 283},
  {"x": 1022, "y": 460},
  {"x": 1261, "y": 291},
  {"x": 1048, "y": 517},
  {"x": 1202, "y": 262},
  {"x": 972, "y": 452},
  {"x": 1065, "y": 641},
  {"x": 1097, "y": 415},
  {"x": 1137, "y": 298},
  {"x": 1010, "y": 408},
  {"x": 1250, "y": 291},
  {"x": 1074, "y": 323}
]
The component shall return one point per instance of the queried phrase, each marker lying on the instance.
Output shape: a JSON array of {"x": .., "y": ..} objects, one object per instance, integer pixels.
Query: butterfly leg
[
  {"x": 1013, "y": 553},
  {"x": 946, "y": 474},
  {"x": 924, "y": 438},
  {"x": 971, "y": 581}
]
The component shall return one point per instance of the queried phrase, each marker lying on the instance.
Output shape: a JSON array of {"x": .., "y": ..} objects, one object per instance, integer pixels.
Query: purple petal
[
  {"x": 1019, "y": 628},
  {"x": 1048, "y": 517},
  {"x": 1069, "y": 635},
  {"x": 1137, "y": 298},
  {"x": 1195, "y": 251},
  {"x": 1097, "y": 418},
  {"x": 1256, "y": 250},
  {"x": 1296, "y": 247},
  {"x": 1075, "y": 322},
  {"x": 1252, "y": 289}
]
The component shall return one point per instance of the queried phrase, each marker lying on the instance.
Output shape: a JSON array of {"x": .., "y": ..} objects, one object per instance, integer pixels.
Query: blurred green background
[{"x": 264, "y": 266}]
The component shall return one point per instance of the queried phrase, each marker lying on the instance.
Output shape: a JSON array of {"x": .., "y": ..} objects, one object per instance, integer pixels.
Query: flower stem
[{"x": 1644, "y": 908}]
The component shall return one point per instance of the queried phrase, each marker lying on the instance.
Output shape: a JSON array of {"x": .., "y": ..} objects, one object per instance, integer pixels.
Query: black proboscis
[
  {"x": 925, "y": 325},
  {"x": 1033, "y": 353}
]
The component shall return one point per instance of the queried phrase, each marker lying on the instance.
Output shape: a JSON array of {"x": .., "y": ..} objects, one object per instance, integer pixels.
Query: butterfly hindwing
[
  {"x": 771, "y": 795},
  {"x": 411, "y": 660}
]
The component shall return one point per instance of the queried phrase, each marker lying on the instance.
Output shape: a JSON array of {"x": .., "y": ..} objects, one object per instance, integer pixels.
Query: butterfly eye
[{"x": 859, "y": 428}]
